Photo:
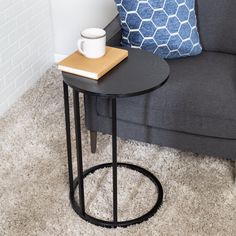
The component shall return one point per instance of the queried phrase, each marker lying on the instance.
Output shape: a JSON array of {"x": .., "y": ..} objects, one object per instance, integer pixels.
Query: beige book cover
[{"x": 92, "y": 68}]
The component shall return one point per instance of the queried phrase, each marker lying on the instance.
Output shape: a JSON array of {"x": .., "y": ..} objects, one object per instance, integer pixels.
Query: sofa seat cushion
[{"x": 199, "y": 98}]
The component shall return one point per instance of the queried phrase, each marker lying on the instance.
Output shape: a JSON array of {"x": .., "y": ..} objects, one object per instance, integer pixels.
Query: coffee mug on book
[{"x": 92, "y": 43}]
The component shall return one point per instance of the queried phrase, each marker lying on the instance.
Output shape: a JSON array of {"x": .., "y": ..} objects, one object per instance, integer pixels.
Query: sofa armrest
[{"x": 113, "y": 31}]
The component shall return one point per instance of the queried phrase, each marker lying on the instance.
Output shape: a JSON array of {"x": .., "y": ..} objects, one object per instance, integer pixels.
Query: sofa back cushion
[{"x": 217, "y": 25}]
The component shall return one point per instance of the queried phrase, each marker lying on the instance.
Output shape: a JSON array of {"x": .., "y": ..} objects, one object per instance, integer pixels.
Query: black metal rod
[
  {"x": 111, "y": 224},
  {"x": 68, "y": 137},
  {"x": 79, "y": 149},
  {"x": 114, "y": 159}
]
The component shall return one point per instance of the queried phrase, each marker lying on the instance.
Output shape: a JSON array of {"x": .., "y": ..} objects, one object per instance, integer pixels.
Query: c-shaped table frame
[{"x": 79, "y": 181}]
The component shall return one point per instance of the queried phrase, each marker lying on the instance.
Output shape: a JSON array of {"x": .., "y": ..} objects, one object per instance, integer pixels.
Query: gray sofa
[{"x": 196, "y": 109}]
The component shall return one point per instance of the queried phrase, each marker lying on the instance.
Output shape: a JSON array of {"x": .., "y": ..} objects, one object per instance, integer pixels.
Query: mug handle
[{"x": 80, "y": 46}]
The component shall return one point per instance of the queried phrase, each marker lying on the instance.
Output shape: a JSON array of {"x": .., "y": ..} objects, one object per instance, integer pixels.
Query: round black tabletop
[{"x": 140, "y": 73}]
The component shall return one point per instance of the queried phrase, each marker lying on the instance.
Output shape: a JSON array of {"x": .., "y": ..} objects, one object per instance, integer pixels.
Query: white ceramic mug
[{"x": 92, "y": 43}]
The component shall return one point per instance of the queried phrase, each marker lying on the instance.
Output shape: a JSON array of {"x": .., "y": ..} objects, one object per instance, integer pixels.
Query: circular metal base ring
[{"x": 111, "y": 224}]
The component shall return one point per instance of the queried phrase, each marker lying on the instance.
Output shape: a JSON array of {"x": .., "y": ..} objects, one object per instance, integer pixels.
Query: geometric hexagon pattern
[{"x": 167, "y": 28}]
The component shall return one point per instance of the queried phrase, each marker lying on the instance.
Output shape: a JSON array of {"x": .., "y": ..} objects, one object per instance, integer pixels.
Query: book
[{"x": 92, "y": 68}]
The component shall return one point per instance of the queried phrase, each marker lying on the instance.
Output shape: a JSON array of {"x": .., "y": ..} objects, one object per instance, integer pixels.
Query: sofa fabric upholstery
[
  {"x": 212, "y": 91},
  {"x": 113, "y": 32},
  {"x": 212, "y": 146},
  {"x": 217, "y": 25},
  {"x": 198, "y": 97}
]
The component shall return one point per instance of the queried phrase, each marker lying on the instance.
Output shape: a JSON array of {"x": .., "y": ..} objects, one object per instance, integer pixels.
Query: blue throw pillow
[{"x": 167, "y": 28}]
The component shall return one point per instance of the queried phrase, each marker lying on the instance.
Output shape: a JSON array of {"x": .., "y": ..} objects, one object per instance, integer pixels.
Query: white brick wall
[{"x": 26, "y": 46}]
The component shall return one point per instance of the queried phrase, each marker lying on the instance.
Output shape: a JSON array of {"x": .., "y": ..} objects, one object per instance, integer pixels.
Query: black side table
[{"x": 141, "y": 73}]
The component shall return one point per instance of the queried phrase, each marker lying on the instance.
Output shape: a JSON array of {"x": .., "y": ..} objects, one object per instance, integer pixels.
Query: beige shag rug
[{"x": 199, "y": 195}]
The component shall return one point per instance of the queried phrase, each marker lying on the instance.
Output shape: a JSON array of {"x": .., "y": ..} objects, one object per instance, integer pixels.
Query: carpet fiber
[{"x": 199, "y": 198}]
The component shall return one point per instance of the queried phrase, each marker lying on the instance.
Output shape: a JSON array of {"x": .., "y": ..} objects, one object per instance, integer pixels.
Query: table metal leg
[
  {"x": 79, "y": 181},
  {"x": 68, "y": 137},
  {"x": 114, "y": 159},
  {"x": 79, "y": 150}
]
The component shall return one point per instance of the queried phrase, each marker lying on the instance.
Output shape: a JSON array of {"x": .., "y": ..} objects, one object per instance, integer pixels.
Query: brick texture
[{"x": 26, "y": 46}]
